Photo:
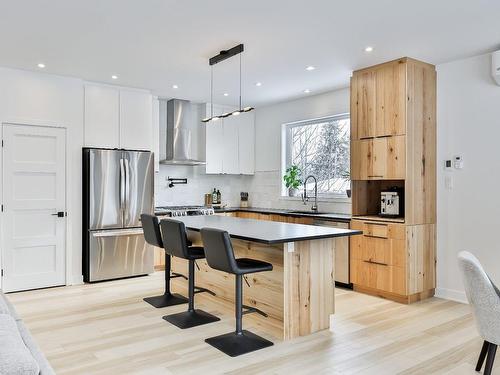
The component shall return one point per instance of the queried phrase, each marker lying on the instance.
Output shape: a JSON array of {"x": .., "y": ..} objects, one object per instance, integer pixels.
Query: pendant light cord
[
  {"x": 211, "y": 91},
  {"x": 240, "y": 82}
]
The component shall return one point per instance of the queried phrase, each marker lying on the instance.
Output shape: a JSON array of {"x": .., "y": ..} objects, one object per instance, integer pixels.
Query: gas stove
[{"x": 174, "y": 211}]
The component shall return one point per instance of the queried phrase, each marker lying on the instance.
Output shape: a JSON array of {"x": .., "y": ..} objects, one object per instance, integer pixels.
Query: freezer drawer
[{"x": 119, "y": 253}]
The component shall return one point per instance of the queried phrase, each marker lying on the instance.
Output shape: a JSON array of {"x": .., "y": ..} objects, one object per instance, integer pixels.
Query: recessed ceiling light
[
  {"x": 226, "y": 94},
  {"x": 258, "y": 84},
  {"x": 175, "y": 86},
  {"x": 310, "y": 67},
  {"x": 307, "y": 91},
  {"x": 114, "y": 76},
  {"x": 41, "y": 65},
  {"x": 368, "y": 49}
]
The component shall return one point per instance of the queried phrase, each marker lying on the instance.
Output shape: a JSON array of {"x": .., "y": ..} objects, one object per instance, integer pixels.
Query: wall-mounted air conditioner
[{"x": 495, "y": 66}]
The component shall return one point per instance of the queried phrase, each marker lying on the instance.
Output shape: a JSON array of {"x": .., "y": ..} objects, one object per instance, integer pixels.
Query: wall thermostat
[{"x": 458, "y": 162}]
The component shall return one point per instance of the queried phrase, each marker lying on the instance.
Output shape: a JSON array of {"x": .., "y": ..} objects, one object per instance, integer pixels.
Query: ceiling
[{"x": 156, "y": 44}]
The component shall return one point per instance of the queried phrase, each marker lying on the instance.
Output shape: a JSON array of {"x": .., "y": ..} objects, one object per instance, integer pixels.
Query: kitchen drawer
[
  {"x": 384, "y": 251},
  {"x": 380, "y": 230},
  {"x": 385, "y": 278}
]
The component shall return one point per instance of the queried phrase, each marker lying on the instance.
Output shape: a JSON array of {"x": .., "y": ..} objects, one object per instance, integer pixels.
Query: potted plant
[{"x": 292, "y": 180}]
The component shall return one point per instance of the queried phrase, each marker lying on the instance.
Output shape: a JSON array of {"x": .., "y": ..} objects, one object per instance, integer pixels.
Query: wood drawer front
[
  {"x": 379, "y": 250},
  {"x": 390, "y": 279},
  {"x": 380, "y": 230}
]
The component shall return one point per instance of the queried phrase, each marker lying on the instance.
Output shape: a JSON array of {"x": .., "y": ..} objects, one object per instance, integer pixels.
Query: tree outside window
[{"x": 321, "y": 148}]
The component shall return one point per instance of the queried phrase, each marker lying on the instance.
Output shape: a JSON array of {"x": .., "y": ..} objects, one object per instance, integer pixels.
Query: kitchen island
[{"x": 299, "y": 292}]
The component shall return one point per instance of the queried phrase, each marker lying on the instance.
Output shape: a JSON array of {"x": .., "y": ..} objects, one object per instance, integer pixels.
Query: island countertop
[{"x": 266, "y": 232}]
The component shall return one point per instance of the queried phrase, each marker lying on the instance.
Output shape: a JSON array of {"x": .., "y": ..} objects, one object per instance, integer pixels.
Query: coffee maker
[{"x": 392, "y": 203}]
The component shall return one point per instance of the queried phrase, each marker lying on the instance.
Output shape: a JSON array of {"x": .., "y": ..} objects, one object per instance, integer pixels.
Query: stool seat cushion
[
  {"x": 246, "y": 265},
  {"x": 195, "y": 252}
]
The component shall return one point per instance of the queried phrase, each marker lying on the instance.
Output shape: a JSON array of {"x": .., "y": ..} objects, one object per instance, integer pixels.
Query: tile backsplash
[{"x": 264, "y": 189}]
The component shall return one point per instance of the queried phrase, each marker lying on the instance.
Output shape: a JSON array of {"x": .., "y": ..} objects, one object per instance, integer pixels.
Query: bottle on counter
[
  {"x": 219, "y": 197},
  {"x": 214, "y": 196}
]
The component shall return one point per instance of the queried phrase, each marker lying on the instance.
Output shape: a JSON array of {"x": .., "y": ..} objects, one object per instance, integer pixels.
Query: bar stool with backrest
[
  {"x": 175, "y": 243},
  {"x": 152, "y": 235},
  {"x": 220, "y": 256}
]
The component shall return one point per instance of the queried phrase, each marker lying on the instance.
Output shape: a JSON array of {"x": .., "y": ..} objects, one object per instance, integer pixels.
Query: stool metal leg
[
  {"x": 167, "y": 298},
  {"x": 240, "y": 341},
  {"x": 193, "y": 317}
]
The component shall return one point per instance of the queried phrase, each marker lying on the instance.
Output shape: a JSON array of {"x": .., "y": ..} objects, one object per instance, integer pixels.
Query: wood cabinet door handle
[{"x": 373, "y": 262}]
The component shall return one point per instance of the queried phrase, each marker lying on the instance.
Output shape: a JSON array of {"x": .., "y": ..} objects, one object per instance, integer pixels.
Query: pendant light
[{"x": 224, "y": 55}]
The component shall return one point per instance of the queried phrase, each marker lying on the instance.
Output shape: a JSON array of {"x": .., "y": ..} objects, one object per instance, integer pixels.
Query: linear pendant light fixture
[{"x": 224, "y": 55}]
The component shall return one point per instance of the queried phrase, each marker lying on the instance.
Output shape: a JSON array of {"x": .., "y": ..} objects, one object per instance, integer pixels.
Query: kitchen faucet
[{"x": 305, "y": 198}]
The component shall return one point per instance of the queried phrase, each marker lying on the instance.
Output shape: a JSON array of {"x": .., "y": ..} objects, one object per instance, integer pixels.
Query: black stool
[
  {"x": 220, "y": 256},
  {"x": 175, "y": 244},
  {"x": 152, "y": 235}
]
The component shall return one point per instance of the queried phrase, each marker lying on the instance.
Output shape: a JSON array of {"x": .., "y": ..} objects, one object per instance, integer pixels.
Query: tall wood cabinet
[{"x": 393, "y": 144}]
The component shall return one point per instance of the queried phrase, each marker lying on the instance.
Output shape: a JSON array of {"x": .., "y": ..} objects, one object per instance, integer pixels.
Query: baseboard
[
  {"x": 76, "y": 280},
  {"x": 452, "y": 295}
]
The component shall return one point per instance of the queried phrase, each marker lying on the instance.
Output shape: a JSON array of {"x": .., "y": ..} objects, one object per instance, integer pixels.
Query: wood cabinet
[
  {"x": 393, "y": 144},
  {"x": 118, "y": 118},
  {"x": 378, "y": 101},
  {"x": 396, "y": 261},
  {"x": 230, "y": 142},
  {"x": 378, "y": 158}
]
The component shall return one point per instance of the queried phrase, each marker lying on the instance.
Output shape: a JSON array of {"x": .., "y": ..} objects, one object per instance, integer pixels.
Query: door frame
[{"x": 67, "y": 195}]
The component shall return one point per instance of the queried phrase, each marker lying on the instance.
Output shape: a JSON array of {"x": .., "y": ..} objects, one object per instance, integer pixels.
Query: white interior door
[{"x": 33, "y": 235}]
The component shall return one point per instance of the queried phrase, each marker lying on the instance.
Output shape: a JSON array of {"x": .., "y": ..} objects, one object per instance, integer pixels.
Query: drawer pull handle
[
  {"x": 371, "y": 176},
  {"x": 373, "y": 262},
  {"x": 373, "y": 236}
]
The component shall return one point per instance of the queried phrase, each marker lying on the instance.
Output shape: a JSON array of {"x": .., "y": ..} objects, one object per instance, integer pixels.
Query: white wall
[
  {"x": 42, "y": 99},
  {"x": 468, "y": 110}
]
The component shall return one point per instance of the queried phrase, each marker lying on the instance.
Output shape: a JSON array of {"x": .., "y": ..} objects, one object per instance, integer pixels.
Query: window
[{"x": 320, "y": 148}]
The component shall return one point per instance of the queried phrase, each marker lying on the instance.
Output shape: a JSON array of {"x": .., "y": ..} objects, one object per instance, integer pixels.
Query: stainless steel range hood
[{"x": 182, "y": 126}]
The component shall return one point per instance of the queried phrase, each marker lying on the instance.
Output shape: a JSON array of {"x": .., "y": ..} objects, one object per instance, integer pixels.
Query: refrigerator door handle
[
  {"x": 127, "y": 186},
  {"x": 122, "y": 185}
]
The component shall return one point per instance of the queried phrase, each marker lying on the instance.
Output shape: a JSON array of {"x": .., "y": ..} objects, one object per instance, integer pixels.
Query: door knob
[{"x": 59, "y": 214}]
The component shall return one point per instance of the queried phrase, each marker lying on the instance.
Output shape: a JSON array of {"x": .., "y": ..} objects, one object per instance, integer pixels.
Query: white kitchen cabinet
[
  {"x": 230, "y": 147},
  {"x": 246, "y": 142},
  {"x": 136, "y": 131},
  {"x": 102, "y": 116},
  {"x": 230, "y": 156},
  {"x": 214, "y": 146},
  {"x": 118, "y": 118},
  {"x": 156, "y": 132}
]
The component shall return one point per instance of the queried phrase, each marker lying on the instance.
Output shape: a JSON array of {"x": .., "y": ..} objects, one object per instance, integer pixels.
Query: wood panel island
[{"x": 299, "y": 292}]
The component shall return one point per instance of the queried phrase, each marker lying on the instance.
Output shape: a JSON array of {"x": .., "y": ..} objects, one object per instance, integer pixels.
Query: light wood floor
[{"x": 106, "y": 328}]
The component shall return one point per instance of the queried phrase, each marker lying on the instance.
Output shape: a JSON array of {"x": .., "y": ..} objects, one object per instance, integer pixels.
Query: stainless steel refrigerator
[{"x": 117, "y": 189}]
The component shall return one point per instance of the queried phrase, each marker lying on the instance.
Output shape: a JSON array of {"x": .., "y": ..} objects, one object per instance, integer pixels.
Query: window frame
[{"x": 286, "y": 150}]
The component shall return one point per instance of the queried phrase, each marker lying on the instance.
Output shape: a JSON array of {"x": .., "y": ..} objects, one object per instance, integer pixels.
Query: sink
[{"x": 307, "y": 212}]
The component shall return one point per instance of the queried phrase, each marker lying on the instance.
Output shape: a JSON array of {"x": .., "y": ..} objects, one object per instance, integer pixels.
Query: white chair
[{"x": 484, "y": 298}]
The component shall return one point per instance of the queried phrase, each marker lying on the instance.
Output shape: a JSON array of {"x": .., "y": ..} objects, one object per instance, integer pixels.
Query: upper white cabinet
[
  {"x": 230, "y": 142},
  {"x": 118, "y": 118},
  {"x": 102, "y": 116},
  {"x": 136, "y": 131},
  {"x": 246, "y": 142},
  {"x": 214, "y": 151}
]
